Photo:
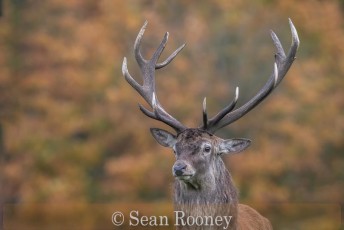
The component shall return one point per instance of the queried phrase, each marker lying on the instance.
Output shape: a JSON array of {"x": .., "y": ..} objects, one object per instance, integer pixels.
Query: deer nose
[{"x": 179, "y": 168}]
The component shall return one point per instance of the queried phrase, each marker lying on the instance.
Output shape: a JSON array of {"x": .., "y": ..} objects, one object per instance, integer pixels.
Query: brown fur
[{"x": 250, "y": 219}]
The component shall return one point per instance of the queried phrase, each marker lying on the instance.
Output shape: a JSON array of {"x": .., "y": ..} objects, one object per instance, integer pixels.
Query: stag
[{"x": 203, "y": 185}]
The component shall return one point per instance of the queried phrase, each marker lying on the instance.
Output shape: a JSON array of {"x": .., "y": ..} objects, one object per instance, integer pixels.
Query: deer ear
[
  {"x": 233, "y": 145},
  {"x": 163, "y": 137}
]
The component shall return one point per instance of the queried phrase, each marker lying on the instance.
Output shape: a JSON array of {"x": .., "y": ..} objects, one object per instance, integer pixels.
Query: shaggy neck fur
[{"x": 213, "y": 195}]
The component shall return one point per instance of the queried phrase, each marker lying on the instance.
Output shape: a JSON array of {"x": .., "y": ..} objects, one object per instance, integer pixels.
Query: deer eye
[{"x": 207, "y": 149}]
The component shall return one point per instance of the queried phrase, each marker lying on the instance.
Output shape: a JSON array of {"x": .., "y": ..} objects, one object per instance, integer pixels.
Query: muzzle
[{"x": 182, "y": 170}]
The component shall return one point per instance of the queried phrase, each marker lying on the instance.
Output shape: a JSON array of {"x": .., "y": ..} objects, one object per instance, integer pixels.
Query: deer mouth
[{"x": 184, "y": 177}]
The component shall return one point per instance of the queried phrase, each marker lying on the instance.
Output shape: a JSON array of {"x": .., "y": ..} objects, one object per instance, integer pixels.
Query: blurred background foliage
[{"x": 70, "y": 128}]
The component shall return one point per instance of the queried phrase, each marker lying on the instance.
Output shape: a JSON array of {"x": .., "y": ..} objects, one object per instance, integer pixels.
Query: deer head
[
  {"x": 198, "y": 154},
  {"x": 198, "y": 150}
]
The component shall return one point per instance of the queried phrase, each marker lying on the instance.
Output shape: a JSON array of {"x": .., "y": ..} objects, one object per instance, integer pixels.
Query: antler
[
  {"x": 281, "y": 67},
  {"x": 147, "y": 90}
]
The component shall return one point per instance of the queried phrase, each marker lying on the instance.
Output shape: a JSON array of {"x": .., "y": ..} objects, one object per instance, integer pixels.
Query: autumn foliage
[{"x": 71, "y": 131}]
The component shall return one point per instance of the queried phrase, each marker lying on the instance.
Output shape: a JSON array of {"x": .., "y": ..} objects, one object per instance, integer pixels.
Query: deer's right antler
[{"x": 147, "y": 90}]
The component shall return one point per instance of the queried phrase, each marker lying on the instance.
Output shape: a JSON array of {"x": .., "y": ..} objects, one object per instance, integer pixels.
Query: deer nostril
[
  {"x": 178, "y": 169},
  {"x": 178, "y": 172}
]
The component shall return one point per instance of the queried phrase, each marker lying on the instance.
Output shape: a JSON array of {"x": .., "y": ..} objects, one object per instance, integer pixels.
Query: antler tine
[
  {"x": 147, "y": 90},
  {"x": 161, "y": 48},
  {"x": 138, "y": 56},
  {"x": 223, "y": 112},
  {"x": 281, "y": 67},
  {"x": 170, "y": 58},
  {"x": 205, "y": 115},
  {"x": 280, "y": 51},
  {"x": 128, "y": 77},
  {"x": 295, "y": 39}
]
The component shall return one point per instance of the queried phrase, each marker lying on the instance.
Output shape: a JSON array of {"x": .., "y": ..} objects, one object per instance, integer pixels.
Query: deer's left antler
[{"x": 281, "y": 67}]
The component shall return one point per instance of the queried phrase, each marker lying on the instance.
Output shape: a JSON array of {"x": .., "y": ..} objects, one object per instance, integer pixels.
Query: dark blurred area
[{"x": 71, "y": 131}]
